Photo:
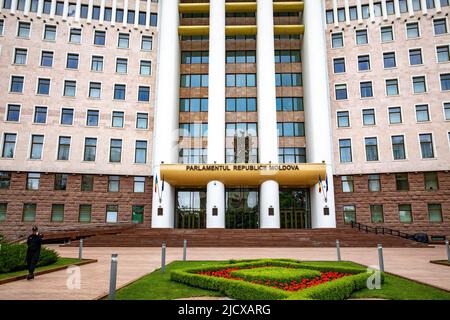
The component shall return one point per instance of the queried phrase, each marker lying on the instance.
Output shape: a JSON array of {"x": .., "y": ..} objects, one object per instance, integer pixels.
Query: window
[
  {"x": 341, "y": 91},
  {"x": 431, "y": 181},
  {"x": 99, "y": 38},
  {"x": 337, "y": 40},
  {"x": 67, "y": 116},
  {"x": 415, "y": 57},
  {"x": 70, "y": 88},
  {"x": 389, "y": 60},
  {"x": 33, "y": 181},
  {"x": 117, "y": 119},
  {"x": 281, "y": 56},
  {"x": 115, "y": 153},
  {"x": 13, "y": 113},
  {"x": 395, "y": 115},
  {"x": 292, "y": 155},
  {"x": 95, "y": 12},
  {"x": 145, "y": 68},
  {"x": 5, "y": 180},
  {"x": 2, "y": 26},
  {"x": 141, "y": 152},
  {"x": 201, "y": 105},
  {"x": 343, "y": 119},
  {"x": 330, "y": 16},
  {"x": 17, "y": 84},
  {"x": 445, "y": 81},
  {"x": 112, "y": 211},
  {"x": 29, "y": 212},
  {"x": 147, "y": 43},
  {"x": 368, "y": 117},
  {"x": 416, "y": 5},
  {"x": 37, "y": 144},
  {"x": 288, "y": 79},
  {"x": 47, "y": 59},
  {"x": 434, "y": 213},
  {"x": 390, "y": 7},
  {"x": 141, "y": 18},
  {"x": 412, "y": 30},
  {"x": 371, "y": 149},
  {"x": 365, "y": 11},
  {"x": 113, "y": 184},
  {"x": 422, "y": 113},
  {"x": 75, "y": 35},
  {"x": 363, "y": 63},
  {"x": 403, "y": 6},
  {"x": 144, "y": 94},
  {"x": 137, "y": 215},
  {"x": 291, "y": 129},
  {"x": 366, "y": 89},
  {"x": 119, "y": 91},
  {"x": 9, "y": 145},
  {"x": 426, "y": 145},
  {"x": 61, "y": 181},
  {"x": 392, "y": 87},
  {"x": 130, "y": 18},
  {"x": 57, "y": 213},
  {"x": 377, "y": 9},
  {"x": 443, "y": 54},
  {"x": 87, "y": 183},
  {"x": 282, "y": 104},
  {"x": 387, "y": 34},
  {"x": 90, "y": 149},
  {"x": 153, "y": 19},
  {"x": 440, "y": 26},
  {"x": 345, "y": 150},
  {"x": 97, "y": 63},
  {"x": 24, "y": 30},
  {"x": 376, "y": 213},
  {"x": 405, "y": 213},
  {"x": 447, "y": 110},
  {"x": 59, "y": 8},
  {"x": 361, "y": 37},
  {"x": 123, "y": 40},
  {"x": 430, "y": 4},
  {"x": 63, "y": 148},
  {"x": 3, "y": 208},
  {"x": 401, "y": 181},
  {"x": 339, "y": 65},
  {"x": 119, "y": 15},
  {"x": 419, "y": 84},
  {"x": 95, "y": 89},
  {"x": 195, "y": 130},
  {"x": 40, "y": 115},
  {"x": 341, "y": 14},
  {"x": 192, "y": 155},
  {"x": 349, "y": 214},
  {"x": 20, "y": 56},
  {"x": 398, "y": 147},
  {"x": 92, "y": 118},
  {"x": 196, "y": 57},
  {"x": 347, "y": 184},
  {"x": 43, "y": 86},
  {"x": 142, "y": 121},
  {"x": 72, "y": 61},
  {"x": 196, "y": 80},
  {"x": 121, "y": 65},
  {"x": 85, "y": 213},
  {"x": 374, "y": 182},
  {"x": 139, "y": 184}
]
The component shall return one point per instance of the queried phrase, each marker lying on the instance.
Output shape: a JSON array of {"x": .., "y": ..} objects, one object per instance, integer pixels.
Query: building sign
[{"x": 243, "y": 167}]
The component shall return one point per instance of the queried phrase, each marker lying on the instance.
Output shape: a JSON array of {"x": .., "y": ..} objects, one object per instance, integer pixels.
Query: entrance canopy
[{"x": 248, "y": 174}]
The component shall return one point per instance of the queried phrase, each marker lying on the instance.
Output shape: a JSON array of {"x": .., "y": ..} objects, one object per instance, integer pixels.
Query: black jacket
[{"x": 34, "y": 242}]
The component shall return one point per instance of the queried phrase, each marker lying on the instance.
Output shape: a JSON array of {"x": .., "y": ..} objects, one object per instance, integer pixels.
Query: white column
[
  {"x": 65, "y": 10},
  {"x": 347, "y": 13},
  {"x": 335, "y": 14},
  {"x": 40, "y": 8},
  {"x": 113, "y": 12},
  {"x": 216, "y": 112},
  {"x": 267, "y": 114},
  {"x": 90, "y": 9},
  {"x": 136, "y": 14},
  {"x": 12, "y": 10},
  {"x": 26, "y": 11},
  {"x": 384, "y": 9},
  {"x": 1, "y": 5},
  {"x": 147, "y": 15},
  {"x": 359, "y": 10},
  {"x": 437, "y": 5},
  {"x": 317, "y": 108},
  {"x": 78, "y": 11},
  {"x": 52, "y": 10},
  {"x": 397, "y": 9},
  {"x": 410, "y": 8},
  {"x": 371, "y": 11},
  {"x": 165, "y": 134},
  {"x": 101, "y": 18},
  {"x": 125, "y": 13},
  {"x": 423, "y": 4}
]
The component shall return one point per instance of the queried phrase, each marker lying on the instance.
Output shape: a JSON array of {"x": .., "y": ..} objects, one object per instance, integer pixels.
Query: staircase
[{"x": 348, "y": 237}]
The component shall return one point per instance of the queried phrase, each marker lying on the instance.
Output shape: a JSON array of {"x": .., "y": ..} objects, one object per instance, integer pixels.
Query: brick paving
[{"x": 133, "y": 263}]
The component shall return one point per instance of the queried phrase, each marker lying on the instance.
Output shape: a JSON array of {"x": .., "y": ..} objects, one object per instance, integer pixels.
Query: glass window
[
  {"x": 363, "y": 63},
  {"x": 24, "y": 29},
  {"x": 67, "y": 116},
  {"x": 398, "y": 147},
  {"x": 37, "y": 144},
  {"x": 365, "y": 11},
  {"x": 20, "y": 56},
  {"x": 374, "y": 182},
  {"x": 434, "y": 213},
  {"x": 75, "y": 35},
  {"x": 431, "y": 181},
  {"x": 341, "y": 14},
  {"x": 401, "y": 181},
  {"x": 57, "y": 213},
  {"x": 123, "y": 40},
  {"x": 361, "y": 37},
  {"x": 440, "y": 26},
  {"x": 113, "y": 184},
  {"x": 419, "y": 84},
  {"x": 144, "y": 94},
  {"x": 97, "y": 63},
  {"x": 416, "y": 5},
  {"x": 99, "y": 38},
  {"x": 115, "y": 154},
  {"x": 443, "y": 54},
  {"x": 392, "y": 87},
  {"x": 92, "y": 118},
  {"x": 119, "y": 15},
  {"x": 292, "y": 155},
  {"x": 146, "y": 67},
  {"x": 147, "y": 43},
  {"x": 33, "y": 181},
  {"x": 390, "y": 7},
  {"x": 376, "y": 213},
  {"x": 61, "y": 181},
  {"x": 368, "y": 117},
  {"x": 90, "y": 149},
  {"x": 85, "y": 213},
  {"x": 119, "y": 92},
  {"x": 43, "y": 86},
  {"x": 412, "y": 30},
  {"x": 139, "y": 184},
  {"x": 366, "y": 89},
  {"x": 47, "y": 59},
  {"x": 405, "y": 213},
  {"x": 339, "y": 65},
  {"x": 2, "y": 26},
  {"x": 349, "y": 214},
  {"x": 341, "y": 91},
  {"x": 29, "y": 212},
  {"x": 447, "y": 110},
  {"x": 63, "y": 148},
  {"x": 422, "y": 113},
  {"x": 337, "y": 40},
  {"x": 153, "y": 19},
  {"x": 445, "y": 81},
  {"x": 5, "y": 180},
  {"x": 17, "y": 84},
  {"x": 142, "y": 121},
  {"x": 395, "y": 115},
  {"x": 415, "y": 57},
  {"x": 137, "y": 214},
  {"x": 95, "y": 12},
  {"x": 95, "y": 89},
  {"x": 343, "y": 119},
  {"x": 347, "y": 184},
  {"x": 371, "y": 149},
  {"x": 70, "y": 88},
  {"x": 330, "y": 16},
  {"x": 40, "y": 115},
  {"x": 3, "y": 211},
  {"x": 426, "y": 145},
  {"x": 112, "y": 212},
  {"x": 13, "y": 113},
  {"x": 9, "y": 145},
  {"x": 141, "y": 152},
  {"x": 121, "y": 65},
  {"x": 387, "y": 34},
  {"x": 345, "y": 150}
]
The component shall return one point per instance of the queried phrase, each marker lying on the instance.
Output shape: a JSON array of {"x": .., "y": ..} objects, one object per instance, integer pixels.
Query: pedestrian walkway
[{"x": 133, "y": 263}]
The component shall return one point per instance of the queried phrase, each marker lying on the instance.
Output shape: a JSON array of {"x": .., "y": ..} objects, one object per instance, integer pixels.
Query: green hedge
[
  {"x": 281, "y": 274},
  {"x": 12, "y": 257}
]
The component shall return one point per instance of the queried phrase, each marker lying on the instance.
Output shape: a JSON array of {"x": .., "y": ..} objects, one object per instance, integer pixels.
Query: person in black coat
[{"x": 34, "y": 243}]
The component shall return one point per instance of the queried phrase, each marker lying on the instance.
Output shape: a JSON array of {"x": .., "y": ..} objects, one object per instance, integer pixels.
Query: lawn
[
  {"x": 60, "y": 263},
  {"x": 158, "y": 286}
]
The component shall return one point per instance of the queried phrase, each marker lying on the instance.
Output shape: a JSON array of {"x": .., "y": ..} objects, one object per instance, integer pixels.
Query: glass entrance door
[
  {"x": 295, "y": 212},
  {"x": 190, "y": 209},
  {"x": 242, "y": 208}
]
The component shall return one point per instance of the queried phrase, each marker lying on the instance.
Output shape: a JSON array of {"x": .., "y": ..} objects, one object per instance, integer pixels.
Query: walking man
[{"x": 34, "y": 243}]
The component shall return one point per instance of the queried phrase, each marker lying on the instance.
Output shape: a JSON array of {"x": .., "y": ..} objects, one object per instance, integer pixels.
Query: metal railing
[{"x": 381, "y": 230}]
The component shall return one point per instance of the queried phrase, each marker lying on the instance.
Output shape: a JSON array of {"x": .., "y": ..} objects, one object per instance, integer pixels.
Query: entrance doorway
[
  {"x": 295, "y": 211},
  {"x": 242, "y": 208},
  {"x": 190, "y": 209}
]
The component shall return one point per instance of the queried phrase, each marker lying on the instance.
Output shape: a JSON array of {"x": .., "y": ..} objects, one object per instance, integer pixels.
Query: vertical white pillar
[
  {"x": 136, "y": 14},
  {"x": 216, "y": 112},
  {"x": 267, "y": 113},
  {"x": 90, "y": 9},
  {"x": 101, "y": 18},
  {"x": 397, "y": 9},
  {"x": 113, "y": 13},
  {"x": 40, "y": 8},
  {"x": 423, "y": 4},
  {"x": 1, "y": 5},
  {"x": 12, "y": 10},
  {"x": 52, "y": 10},
  {"x": 359, "y": 10},
  {"x": 147, "y": 15},
  {"x": 317, "y": 108},
  {"x": 125, "y": 13},
  {"x": 26, "y": 10},
  {"x": 65, "y": 10},
  {"x": 437, "y": 5},
  {"x": 384, "y": 9},
  {"x": 371, "y": 11},
  {"x": 78, "y": 10},
  {"x": 165, "y": 134},
  {"x": 335, "y": 14},
  {"x": 347, "y": 13},
  {"x": 410, "y": 8}
]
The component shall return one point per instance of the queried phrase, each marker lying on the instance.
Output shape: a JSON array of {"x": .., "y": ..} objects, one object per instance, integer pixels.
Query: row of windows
[
  {"x": 70, "y": 88},
  {"x": 394, "y": 114},
  {"x": 242, "y": 37},
  {"x": 405, "y": 213},
  {"x": 131, "y": 17},
  {"x": 387, "y": 33},
  {"x": 84, "y": 214},
  {"x": 36, "y": 148},
  {"x": 398, "y": 146},
  {"x": 419, "y": 85},
  {"x": 47, "y": 58},
  {"x": 233, "y": 56},
  {"x": 241, "y": 80},
  {"x": 378, "y": 9},
  {"x": 390, "y": 59}
]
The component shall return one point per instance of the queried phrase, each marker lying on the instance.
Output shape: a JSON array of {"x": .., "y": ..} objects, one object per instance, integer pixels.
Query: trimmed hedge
[
  {"x": 276, "y": 274},
  {"x": 12, "y": 257}
]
